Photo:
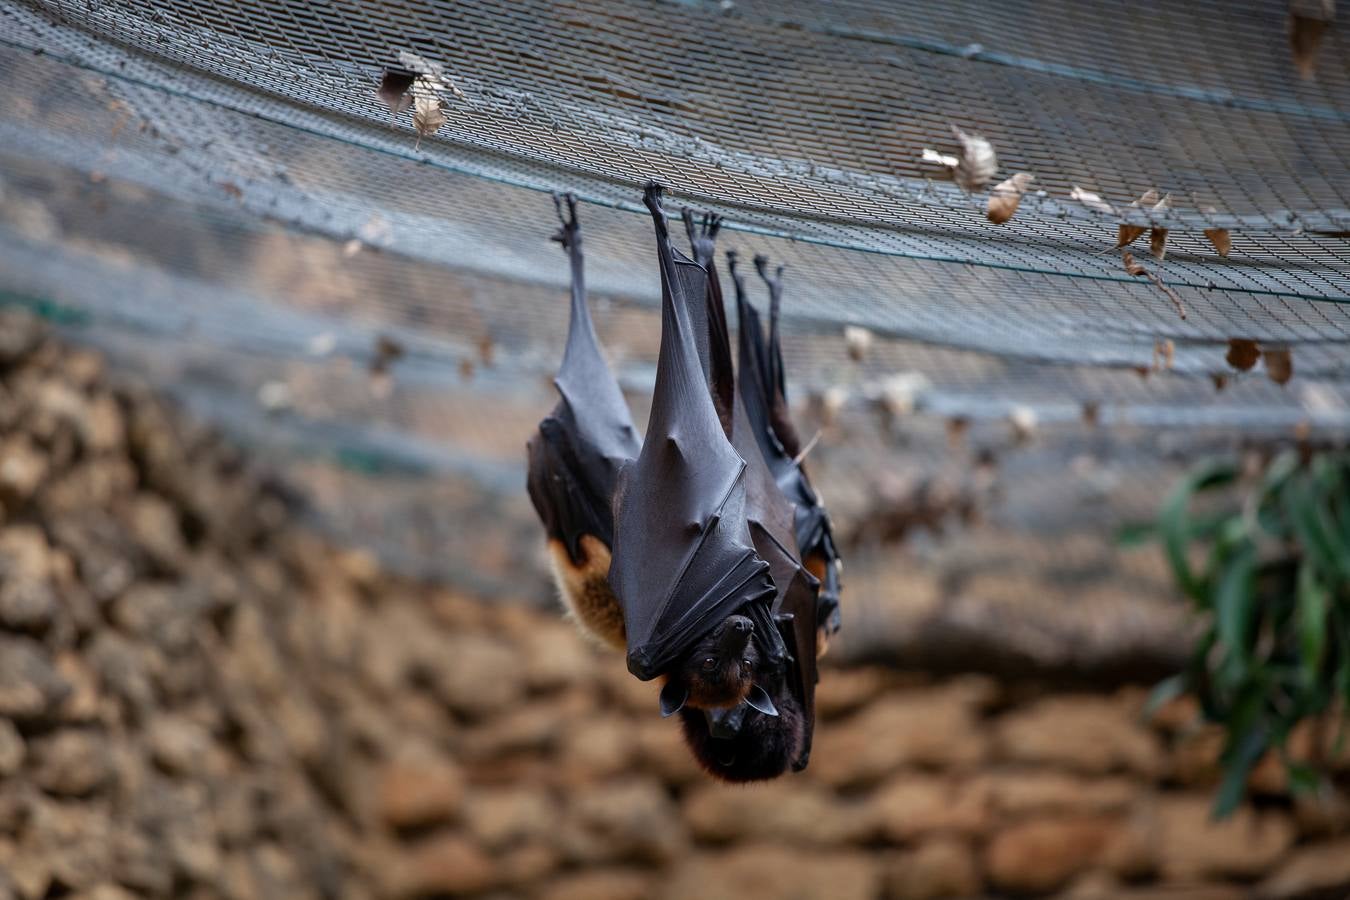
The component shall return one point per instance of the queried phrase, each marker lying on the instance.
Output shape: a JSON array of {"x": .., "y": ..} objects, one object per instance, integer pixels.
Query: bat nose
[{"x": 742, "y": 625}]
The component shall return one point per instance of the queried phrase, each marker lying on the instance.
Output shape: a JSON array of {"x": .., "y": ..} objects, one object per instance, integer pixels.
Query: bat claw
[
  {"x": 566, "y": 234},
  {"x": 651, "y": 196}
]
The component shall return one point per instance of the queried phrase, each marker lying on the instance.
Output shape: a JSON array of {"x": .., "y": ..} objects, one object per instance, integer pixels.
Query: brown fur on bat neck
[
  {"x": 718, "y": 672},
  {"x": 584, "y": 587}
]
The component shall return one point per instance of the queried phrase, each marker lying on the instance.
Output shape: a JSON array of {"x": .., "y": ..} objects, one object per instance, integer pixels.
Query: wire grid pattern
[{"x": 285, "y": 165}]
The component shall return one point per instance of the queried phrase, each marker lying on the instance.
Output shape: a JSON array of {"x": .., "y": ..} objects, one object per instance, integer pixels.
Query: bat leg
[{"x": 586, "y": 593}]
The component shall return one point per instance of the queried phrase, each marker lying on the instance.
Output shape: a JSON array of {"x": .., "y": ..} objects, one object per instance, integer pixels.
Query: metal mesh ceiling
[{"x": 175, "y": 175}]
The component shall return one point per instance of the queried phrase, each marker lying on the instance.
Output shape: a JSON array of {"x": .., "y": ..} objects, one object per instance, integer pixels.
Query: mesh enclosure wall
[{"x": 215, "y": 192}]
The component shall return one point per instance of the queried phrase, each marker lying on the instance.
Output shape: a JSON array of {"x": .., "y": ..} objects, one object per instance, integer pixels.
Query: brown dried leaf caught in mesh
[
  {"x": 1221, "y": 240},
  {"x": 1308, "y": 23},
  {"x": 394, "y": 88},
  {"x": 1157, "y": 237},
  {"x": 1128, "y": 234},
  {"x": 1005, "y": 197},
  {"x": 427, "y": 117},
  {"x": 1279, "y": 364},
  {"x": 1242, "y": 353}
]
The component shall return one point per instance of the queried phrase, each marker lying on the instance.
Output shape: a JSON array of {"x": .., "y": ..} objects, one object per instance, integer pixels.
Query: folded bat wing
[
  {"x": 683, "y": 557},
  {"x": 581, "y": 446}
]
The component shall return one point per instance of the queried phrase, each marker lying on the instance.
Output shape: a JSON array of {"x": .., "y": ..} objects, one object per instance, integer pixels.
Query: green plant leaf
[
  {"x": 1312, "y": 622},
  {"x": 1177, "y": 528},
  {"x": 1163, "y": 693},
  {"x": 1235, "y": 601},
  {"x": 1303, "y": 509},
  {"x": 1238, "y": 763}
]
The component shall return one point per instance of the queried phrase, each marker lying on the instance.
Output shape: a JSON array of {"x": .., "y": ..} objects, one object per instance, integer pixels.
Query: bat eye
[
  {"x": 709, "y": 662},
  {"x": 746, "y": 663}
]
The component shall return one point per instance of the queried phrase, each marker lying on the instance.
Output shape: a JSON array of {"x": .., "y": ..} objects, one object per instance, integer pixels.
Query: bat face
[
  {"x": 719, "y": 669},
  {"x": 743, "y": 744}
]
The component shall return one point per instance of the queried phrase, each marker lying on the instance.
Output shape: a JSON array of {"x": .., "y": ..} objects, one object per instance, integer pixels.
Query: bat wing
[
  {"x": 683, "y": 558},
  {"x": 580, "y": 447},
  {"x": 761, "y": 390}
]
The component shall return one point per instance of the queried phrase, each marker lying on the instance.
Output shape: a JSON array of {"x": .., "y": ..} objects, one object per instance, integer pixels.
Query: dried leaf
[
  {"x": 466, "y": 368},
  {"x": 232, "y": 189},
  {"x": 1220, "y": 239},
  {"x": 1242, "y": 353},
  {"x": 1157, "y": 237},
  {"x": 375, "y": 231},
  {"x": 858, "y": 340},
  {"x": 1157, "y": 242},
  {"x": 1023, "y": 422},
  {"x": 1305, "y": 39},
  {"x": 1092, "y": 201},
  {"x": 1220, "y": 380},
  {"x": 1132, "y": 266},
  {"x": 827, "y": 403},
  {"x": 957, "y": 426},
  {"x": 427, "y": 117},
  {"x": 1279, "y": 364},
  {"x": 486, "y": 350},
  {"x": 976, "y": 162},
  {"x": 1005, "y": 197},
  {"x": 1143, "y": 372},
  {"x": 431, "y": 74},
  {"x": 1091, "y": 413},
  {"x": 941, "y": 159},
  {"x": 1128, "y": 234},
  {"x": 394, "y": 88},
  {"x": 386, "y": 351},
  {"x": 352, "y": 247},
  {"x": 1164, "y": 352}
]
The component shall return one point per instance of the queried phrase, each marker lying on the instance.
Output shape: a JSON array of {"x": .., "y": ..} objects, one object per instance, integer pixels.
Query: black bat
[
  {"x": 743, "y": 744},
  {"x": 575, "y": 459},
  {"x": 684, "y": 569},
  {"x": 763, "y": 387}
]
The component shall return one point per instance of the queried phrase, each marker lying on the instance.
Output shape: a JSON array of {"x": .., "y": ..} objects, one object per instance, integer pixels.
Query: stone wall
[{"x": 199, "y": 699}]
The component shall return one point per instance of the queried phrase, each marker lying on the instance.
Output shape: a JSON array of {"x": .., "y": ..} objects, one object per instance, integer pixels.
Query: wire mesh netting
[{"x": 215, "y": 192}]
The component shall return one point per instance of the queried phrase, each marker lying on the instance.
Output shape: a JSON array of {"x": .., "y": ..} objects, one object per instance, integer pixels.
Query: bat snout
[{"x": 736, "y": 632}]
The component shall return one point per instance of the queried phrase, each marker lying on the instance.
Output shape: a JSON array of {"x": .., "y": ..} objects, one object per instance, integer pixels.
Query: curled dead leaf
[
  {"x": 858, "y": 341},
  {"x": 976, "y": 161},
  {"x": 1092, "y": 201},
  {"x": 940, "y": 159},
  {"x": 1132, "y": 265},
  {"x": 1091, "y": 413},
  {"x": 1242, "y": 353},
  {"x": 431, "y": 75},
  {"x": 427, "y": 117},
  {"x": 466, "y": 368},
  {"x": 386, "y": 351},
  {"x": 1220, "y": 380},
  {"x": 957, "y": 426},
  {"x": 394, "y": 87},
  {"x": 1279, "y": 364},
  {"x": 1221, "y": 240},
  {"x": 1023, "y": 421},
  {"x": 1157, "y": 237},
  {"x": 1157, "y": 242},
  {"x": 1306, "y": 32},
  {"x": 1143, "y": 372},
  {"x": 1164, "y": 352},
  {"x": 1005, "y": 197},
  {"x": 487, "y": 350},
  {"x": 1128, "y": 234}
]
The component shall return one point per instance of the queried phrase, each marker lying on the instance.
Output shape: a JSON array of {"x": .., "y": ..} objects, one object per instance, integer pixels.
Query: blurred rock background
[{"x": 201, "y": 698}]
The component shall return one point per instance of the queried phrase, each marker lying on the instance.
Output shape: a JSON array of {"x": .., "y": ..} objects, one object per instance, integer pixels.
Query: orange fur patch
[{"x": 586, "y": 593}]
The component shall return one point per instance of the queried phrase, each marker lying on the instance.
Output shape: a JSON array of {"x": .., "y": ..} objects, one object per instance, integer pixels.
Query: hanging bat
[
  {"x": 575, "y": 458},
  {"x": 684, "y": 568},
  {"x": 763, "y": 386},
  {"x": 741, "y": 743}
]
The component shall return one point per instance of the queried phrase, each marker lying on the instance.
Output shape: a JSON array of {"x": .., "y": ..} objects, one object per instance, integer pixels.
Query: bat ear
[
  {"x": 673, "y": 696},
  {"x": 759, "y": 699}
]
